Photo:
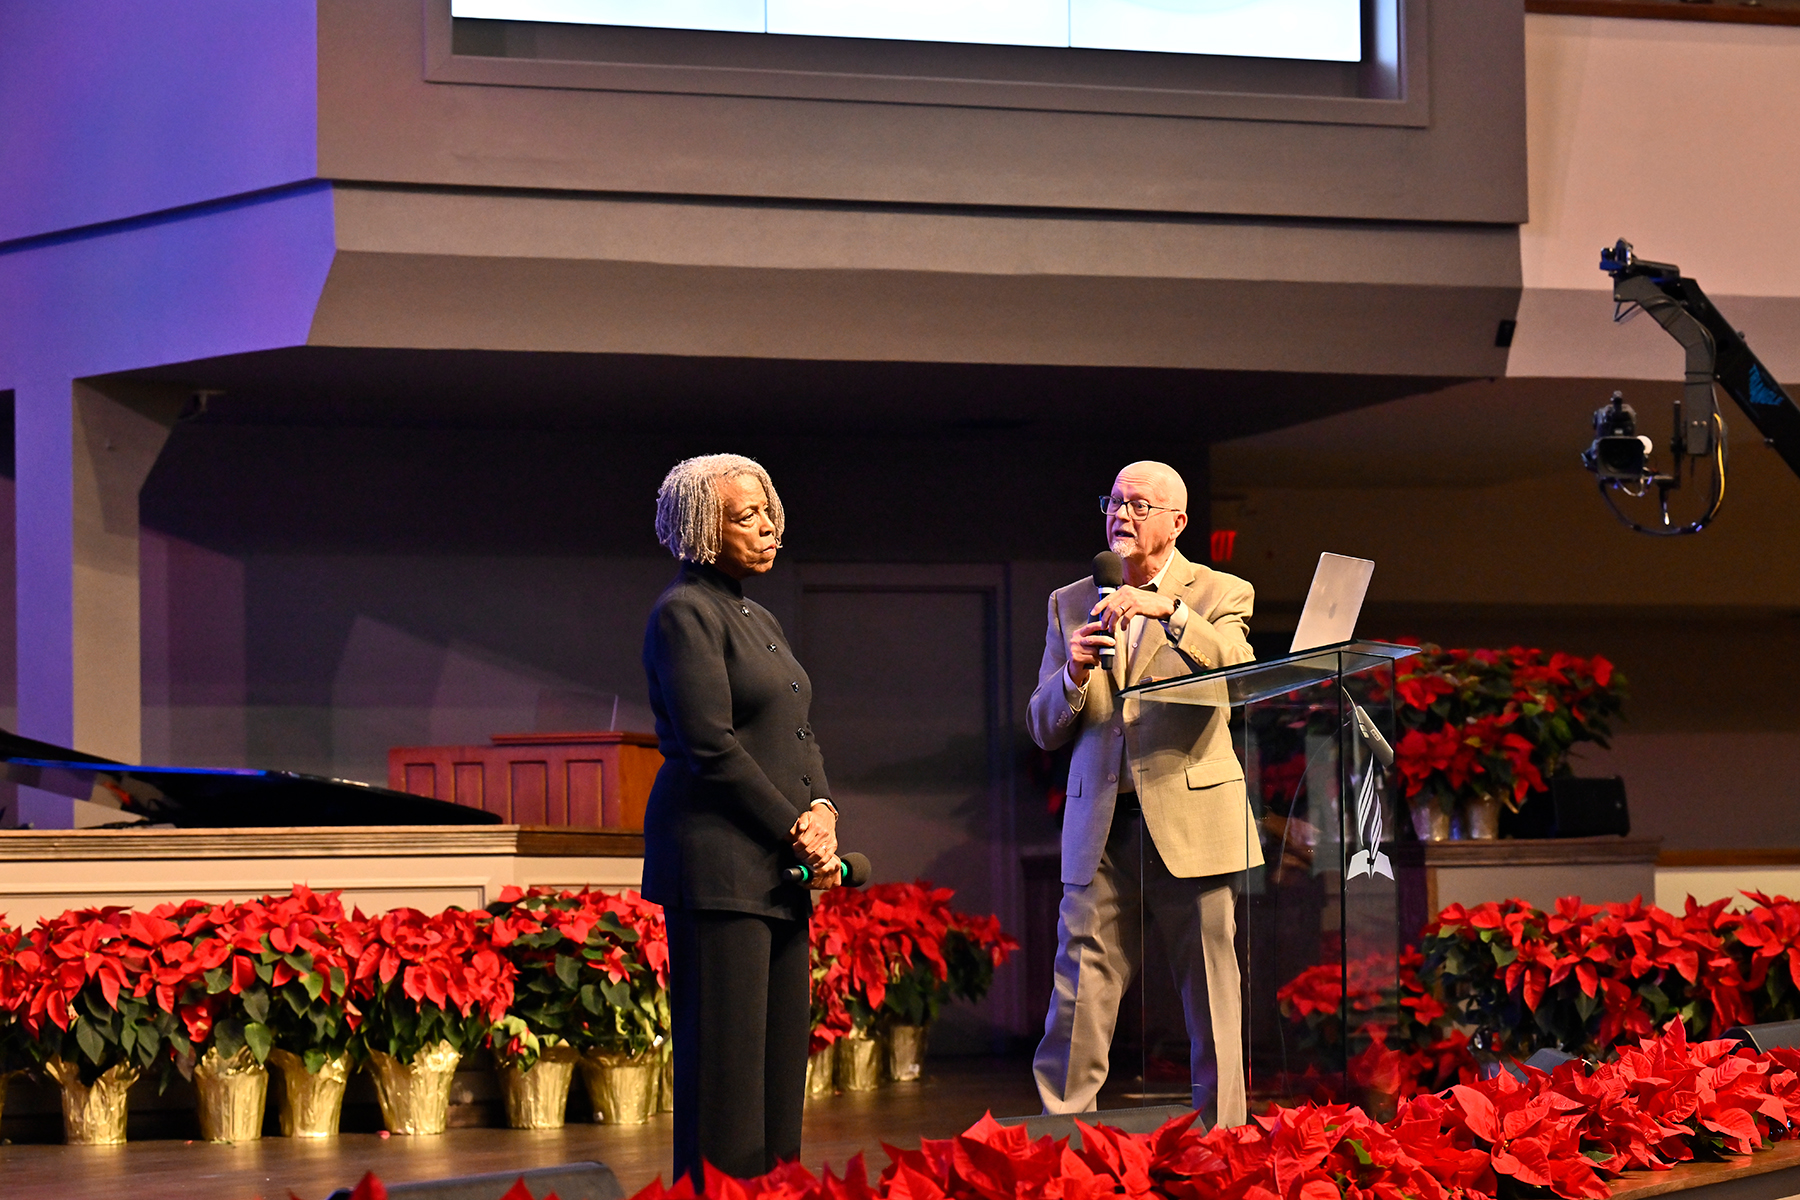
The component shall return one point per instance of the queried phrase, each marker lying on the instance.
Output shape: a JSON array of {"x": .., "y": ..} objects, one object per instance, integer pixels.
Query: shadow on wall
[
  {"x": 393, "y": 688},
  {"x": 321, "y": 664}
]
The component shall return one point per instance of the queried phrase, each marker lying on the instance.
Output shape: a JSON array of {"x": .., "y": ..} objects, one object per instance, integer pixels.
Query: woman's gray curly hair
[{"x": 689, "y": 508}]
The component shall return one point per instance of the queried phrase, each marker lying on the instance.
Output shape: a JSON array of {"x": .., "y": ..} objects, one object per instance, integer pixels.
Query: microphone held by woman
[{"x": 854, "y": 869}]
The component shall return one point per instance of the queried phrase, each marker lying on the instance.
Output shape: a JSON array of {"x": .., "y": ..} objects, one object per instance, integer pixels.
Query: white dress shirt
[{"x": 1134, "y": 633}]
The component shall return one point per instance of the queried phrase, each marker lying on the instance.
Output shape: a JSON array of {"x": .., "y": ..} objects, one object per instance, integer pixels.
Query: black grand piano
[{"x": 211, "y": 798}]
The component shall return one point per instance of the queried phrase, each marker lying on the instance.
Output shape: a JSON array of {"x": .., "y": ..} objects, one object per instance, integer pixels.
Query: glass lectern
[{"x": 1318, "y": 930}]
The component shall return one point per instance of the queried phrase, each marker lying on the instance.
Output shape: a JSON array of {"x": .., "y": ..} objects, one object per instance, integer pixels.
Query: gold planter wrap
[
  {"x": 93, "y": 1116},
  {"x": 665, "y": 1092},
  {"x": 310, "y": 1104},
  {"x": 1481, "y": 817},
  {"x": 622, "y": 1087},
  {"x": 818, "y": 1071},
  {"x": 858, "y": 1063},
  {"x": 538, "y": 1097},
  {"x": 232, "y": 1094},
  {"x": 1431, "y": 823},
  {"x": 905, "y": 1052},
  {"x": 415, "y": 1096}
]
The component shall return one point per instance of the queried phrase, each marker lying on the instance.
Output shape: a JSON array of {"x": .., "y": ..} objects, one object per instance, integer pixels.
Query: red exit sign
[{"x": 1224, "y": 542}]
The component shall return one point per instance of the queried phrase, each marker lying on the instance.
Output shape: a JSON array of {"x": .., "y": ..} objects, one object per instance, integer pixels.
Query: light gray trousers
[{"x": 1099, "y": 947}]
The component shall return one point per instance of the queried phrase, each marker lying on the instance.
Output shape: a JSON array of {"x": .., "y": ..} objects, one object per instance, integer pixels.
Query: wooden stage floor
[{"x": 952, "y": 1097}]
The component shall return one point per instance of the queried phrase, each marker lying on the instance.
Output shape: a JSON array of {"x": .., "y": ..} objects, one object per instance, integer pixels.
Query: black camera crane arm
[{"x": 1716, "y": 352}]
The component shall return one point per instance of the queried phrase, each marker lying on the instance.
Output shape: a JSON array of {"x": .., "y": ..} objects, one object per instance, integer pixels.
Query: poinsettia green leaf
[
  {"x": 228, "y": 1036},
  {"x": 93, "y": 1046},
  {"x": 259, "y": 1039}
]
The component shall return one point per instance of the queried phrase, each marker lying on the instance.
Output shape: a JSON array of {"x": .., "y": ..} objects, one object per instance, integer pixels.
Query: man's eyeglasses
[{"x": 1138, "y": 509}]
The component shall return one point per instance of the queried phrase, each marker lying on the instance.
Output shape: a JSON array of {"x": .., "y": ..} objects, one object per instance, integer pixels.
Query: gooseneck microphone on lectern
[
  {"x": 1109, "y": 577},
  {"x": 855, "y": 869},
  {"x": 1371, "y": 733}
]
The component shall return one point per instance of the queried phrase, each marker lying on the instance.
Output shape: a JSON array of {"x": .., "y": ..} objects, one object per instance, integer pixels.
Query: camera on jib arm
[{"x": 1619, "y": 452}]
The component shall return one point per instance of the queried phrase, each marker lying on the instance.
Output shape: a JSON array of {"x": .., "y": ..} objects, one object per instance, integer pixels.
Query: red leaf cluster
[
  {"x": 896, "y": 946},
  {"x": 156, "y": 957},
  {"x": 1566, "y": 1133},
  {"x": 593, "y": 972},
  {"x": 1408, "y": 1043},
  {"x": 448, "y": 960},
  {"x": 572, "y": 916},
  {"x": 1608, "y": 965},
  {"x": 1498, "y": 722}
]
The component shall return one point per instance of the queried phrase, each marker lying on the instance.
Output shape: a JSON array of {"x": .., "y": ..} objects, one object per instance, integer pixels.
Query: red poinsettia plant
[
  {"x": 420, "y": 980},
  {"x": 15, "y": 995},
  {"x": 1501, "y": 980},
  {"x": 1497, "y": 722},
  {"x": 1667, "y": 1100},
  {"x": 1585, "y": 976},
  {"x": 106, "y": 987},
  {"x": 593, "y": 973},
  {"x": 1767, "y": 938},
  {"x": 286, "y": 984},
  {"x": 896, "y": 952},
  {"x": 1395, "y": 1035}
]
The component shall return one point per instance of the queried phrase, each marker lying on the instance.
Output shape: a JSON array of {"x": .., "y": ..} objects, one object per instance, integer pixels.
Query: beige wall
[
  {"x": 1485, "y": 529},
  {"x": 47, "y": 873},
  {"x": 387, "y": 114},
  {"x": 1675, "y": 135}
]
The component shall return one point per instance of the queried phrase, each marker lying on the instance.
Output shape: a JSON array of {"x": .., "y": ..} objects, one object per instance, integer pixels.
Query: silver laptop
[{"x": 1333, "y": 602}]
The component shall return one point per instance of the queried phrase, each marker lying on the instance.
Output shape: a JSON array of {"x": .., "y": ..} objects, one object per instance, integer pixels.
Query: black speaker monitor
[
  {"x": 1782, "y": 1035},
  {"x": 1590, "y": 807},
  {"x": 570, "y": 1181}
]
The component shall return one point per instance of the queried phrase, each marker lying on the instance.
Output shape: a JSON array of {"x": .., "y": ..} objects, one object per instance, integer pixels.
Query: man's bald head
[
  {"x": 1146, "y": 542},
  {"x": 1159, "y": 480}
]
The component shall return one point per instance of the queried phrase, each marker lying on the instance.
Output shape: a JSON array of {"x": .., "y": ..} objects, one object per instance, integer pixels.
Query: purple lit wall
[
  {"x": 160, "y": 207},
  {"x": 115, "y": 109}
]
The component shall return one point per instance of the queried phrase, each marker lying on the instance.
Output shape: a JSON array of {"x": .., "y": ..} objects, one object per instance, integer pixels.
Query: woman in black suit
[{"x": 740, "y": 797}]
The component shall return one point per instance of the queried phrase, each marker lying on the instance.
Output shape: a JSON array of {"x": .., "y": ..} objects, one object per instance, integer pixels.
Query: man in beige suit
[{"x": 1157, "y": 820}]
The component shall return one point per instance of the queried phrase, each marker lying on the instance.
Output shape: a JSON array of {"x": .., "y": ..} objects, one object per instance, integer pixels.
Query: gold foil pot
[
  {"x": 858, "y": 1063},
  {"x": 1431, "y": 823},
  {"x": 1481, "y": 816},
  {"x": 93, "y": 1116},
  {"x": 311, "y": 1104},
  {"x": 232, "y": 1094},
  {"x": 622, "y": 1087},
  {"x": 818, "y": 1071},
  {"x": 905, "y": 1052},
  {"x": 665, "y": 1092},
  {"x": 415, "y": 1096},
  {"x": 537, "y": 1097}
]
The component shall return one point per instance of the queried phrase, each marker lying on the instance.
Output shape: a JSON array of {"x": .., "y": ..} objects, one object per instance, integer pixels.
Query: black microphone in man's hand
[
  {"x": 1109, "y": 577},
  {"x": 854, "y": 867}
]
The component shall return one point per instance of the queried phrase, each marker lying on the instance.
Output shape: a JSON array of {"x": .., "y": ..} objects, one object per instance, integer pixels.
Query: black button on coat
[{"x": 734, "y": 777}]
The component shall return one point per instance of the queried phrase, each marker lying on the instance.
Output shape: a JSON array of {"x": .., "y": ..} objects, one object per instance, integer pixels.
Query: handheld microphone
[
  {"x": 854, "y": 867},
  {"x": 1371, "y": 733},
  {"x": 1109, "y": 577}
]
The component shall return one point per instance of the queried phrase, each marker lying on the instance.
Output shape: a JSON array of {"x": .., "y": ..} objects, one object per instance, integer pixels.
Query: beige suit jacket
[{"x": 1188, "y": 779}]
